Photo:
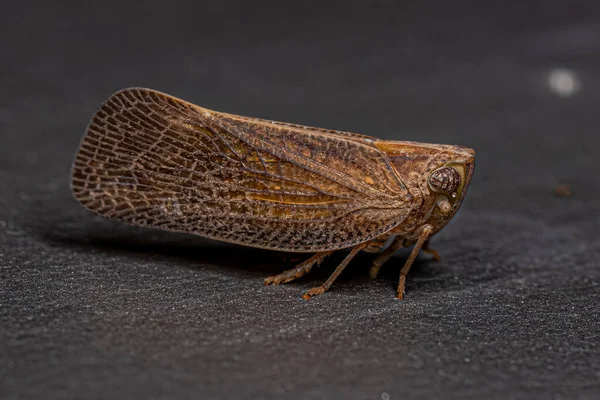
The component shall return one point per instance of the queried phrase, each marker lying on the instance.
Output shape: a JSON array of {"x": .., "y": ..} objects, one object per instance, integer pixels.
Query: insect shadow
[
  {"x": 138, "y": 245},
  {"x": 135, "y": 245}
]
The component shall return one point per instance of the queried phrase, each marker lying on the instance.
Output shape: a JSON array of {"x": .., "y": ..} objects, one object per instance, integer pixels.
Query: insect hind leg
[
  {"x": 327, "y": 284},
  {"x": 298, "y": 271}
]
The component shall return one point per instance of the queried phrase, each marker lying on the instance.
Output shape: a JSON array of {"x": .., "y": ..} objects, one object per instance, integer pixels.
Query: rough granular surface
[{"x": 92, "y": 308}]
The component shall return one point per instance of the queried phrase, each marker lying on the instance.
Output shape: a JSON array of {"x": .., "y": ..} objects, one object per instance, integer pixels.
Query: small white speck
[
  {"x": 564, "y": 82},
  {"x": 3, "y": 223},
  {"x": 369, "y": 140},
  {"x": 385, "y": 396}
]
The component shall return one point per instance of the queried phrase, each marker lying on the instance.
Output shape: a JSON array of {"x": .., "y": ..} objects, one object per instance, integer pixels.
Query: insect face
[{"x": 449, "y": 182}]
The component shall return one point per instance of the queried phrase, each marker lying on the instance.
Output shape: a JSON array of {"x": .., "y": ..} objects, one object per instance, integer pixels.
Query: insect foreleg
[
  {"x": 425, "y": 233},
  {"x": 298, "y": 271},
  {"x": 325, "y": 286}
]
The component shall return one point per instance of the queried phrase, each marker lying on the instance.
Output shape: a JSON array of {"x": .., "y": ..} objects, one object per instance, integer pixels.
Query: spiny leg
[
  {"x": 325, "y": 286},
  {"x": 427, "y": 229},
  {"x": 298, "y": 271},
  {"x": 429, "y": 250},
  {"x": 384, "y": 256}
]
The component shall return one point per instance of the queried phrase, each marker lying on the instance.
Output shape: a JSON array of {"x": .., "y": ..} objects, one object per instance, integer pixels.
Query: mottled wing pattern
[{"x": 153, "y": 160}]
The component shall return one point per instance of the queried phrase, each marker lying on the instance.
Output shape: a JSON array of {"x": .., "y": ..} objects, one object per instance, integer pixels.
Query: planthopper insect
[{"x": 153, "y": 160}]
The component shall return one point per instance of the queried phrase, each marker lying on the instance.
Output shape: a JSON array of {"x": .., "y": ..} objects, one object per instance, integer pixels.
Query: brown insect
[{"x": 153, "y": 160}]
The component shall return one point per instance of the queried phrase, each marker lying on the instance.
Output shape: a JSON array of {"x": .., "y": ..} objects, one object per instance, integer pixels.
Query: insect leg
[
  {"x": 325, "y": 286},
  {"x": 298, "y": 271},
  {"x": 427, "y": 229},
  {"x": 384, "y": 256},
  {"x": 429, "y": 250}
]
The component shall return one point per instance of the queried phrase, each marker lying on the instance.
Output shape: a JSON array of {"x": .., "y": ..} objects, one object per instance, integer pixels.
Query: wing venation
[{"x": 152, "y": 160}]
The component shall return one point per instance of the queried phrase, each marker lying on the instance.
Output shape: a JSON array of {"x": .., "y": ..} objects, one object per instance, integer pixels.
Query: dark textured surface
[{"x": 91, "y": 308}]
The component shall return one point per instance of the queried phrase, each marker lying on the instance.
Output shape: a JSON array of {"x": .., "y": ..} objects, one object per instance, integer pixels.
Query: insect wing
[{"x": 153, "y": 160}]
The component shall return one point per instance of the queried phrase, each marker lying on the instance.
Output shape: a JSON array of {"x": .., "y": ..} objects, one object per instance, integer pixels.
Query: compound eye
[{"x": 445, "y": 179}]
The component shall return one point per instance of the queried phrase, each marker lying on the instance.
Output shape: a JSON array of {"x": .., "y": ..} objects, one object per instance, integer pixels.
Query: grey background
[{"x": 95, "y": 309}]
